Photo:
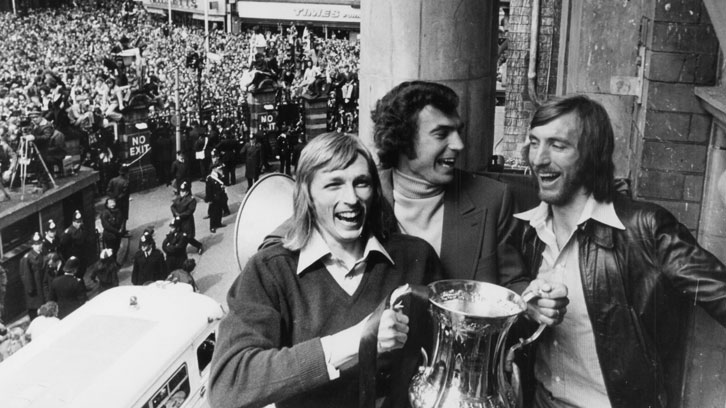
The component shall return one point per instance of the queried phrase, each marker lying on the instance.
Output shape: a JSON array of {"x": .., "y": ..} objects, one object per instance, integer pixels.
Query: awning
[
  {"x": 157, "y": 11},
  {"x": 211, "y": 18},
  {"x": 321, "y": 13}
]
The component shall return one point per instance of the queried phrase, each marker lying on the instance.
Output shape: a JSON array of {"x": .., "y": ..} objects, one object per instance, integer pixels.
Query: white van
[{"x": 129, "y": 347}]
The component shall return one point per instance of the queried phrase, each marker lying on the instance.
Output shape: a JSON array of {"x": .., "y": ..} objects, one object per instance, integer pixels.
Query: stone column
[{"x": 446, "y": 41}]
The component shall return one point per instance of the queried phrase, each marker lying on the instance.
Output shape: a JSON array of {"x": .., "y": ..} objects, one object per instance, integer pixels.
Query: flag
[
  {"x": 306, "y": 37},
  {"x": 213, "y": 57}
]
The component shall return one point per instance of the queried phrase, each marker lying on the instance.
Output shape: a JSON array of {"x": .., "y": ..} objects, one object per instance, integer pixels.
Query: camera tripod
[{"x": 26, "y": 148}]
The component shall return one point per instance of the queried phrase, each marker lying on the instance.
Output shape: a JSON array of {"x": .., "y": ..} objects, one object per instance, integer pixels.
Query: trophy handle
[
  {"x": 510, "y": 389},
  {"x": 424, "y": 357},
  {"x": 522, "y": 342}
]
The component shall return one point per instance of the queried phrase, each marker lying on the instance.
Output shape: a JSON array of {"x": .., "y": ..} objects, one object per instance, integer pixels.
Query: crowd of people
[{"x": 84, "y": 67}]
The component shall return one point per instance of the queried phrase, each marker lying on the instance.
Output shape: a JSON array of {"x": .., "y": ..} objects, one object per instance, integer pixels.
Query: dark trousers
[
  {"x": 285, "y": 165},
  {"x": 204, "y": 168},
  {"x": 215, "y": 214},
  {"x": 112, "y": 243},
  {"x": 193, "y": 242},
  {"x": 123, "y": 206},
  {"x": 250, "y": 182},
  {"x": 229, "y": 175}
]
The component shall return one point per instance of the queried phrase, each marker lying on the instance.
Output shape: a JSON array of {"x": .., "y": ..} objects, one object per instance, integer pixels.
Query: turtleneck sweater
[{"x": 419, "y": 208}]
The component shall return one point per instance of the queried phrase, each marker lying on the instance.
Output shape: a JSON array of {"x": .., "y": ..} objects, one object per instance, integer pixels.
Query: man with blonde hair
[{"x": 299, "y": 309}]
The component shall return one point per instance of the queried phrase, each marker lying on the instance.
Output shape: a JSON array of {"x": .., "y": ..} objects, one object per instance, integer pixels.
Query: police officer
[
  {"x": 52, "y": 268},
  {"x": 31, "y": 274},
  {"x": 149, "y": 264},
  {"x": 118, "y": 189},
  {"x": 216, "y": 196},
  {"x": 67, "y": 290},
  {"x": 149, "y": 234},
  {"x": 105, "y": 271},
  {"x": 284, "y": 151},
  {"x": 175, "y": 245},
  {"x": 183, "y": 207},
  {"x": 74, "y": 241},
  {"x": 50, "y": 240},
  {"x": 179, "y": 171},
  {"x": 228, "y": 157},
  {"x": 112, "y": 222}
]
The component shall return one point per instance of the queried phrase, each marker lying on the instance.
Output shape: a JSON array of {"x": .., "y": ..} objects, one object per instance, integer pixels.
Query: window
[
  {"x": 19, "y": 232},
  {"x": 205, "y": 351},
  {"x": 173, "y": 393}
]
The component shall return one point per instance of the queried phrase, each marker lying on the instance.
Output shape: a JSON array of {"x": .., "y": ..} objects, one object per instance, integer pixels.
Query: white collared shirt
[
  {"x": 567, "y": 363},
  {"x": 347, "y": 276}
]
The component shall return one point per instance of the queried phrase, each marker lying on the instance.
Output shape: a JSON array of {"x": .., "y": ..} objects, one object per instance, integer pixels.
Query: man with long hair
[
  {"x": 629, "y": 269},
  {"x": 299, "y": 308}
]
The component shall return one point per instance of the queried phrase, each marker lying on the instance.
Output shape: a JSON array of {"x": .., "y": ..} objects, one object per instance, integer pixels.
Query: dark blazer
[
  {"x": 31, "y": 274},
  {"x": 184, "y": 207},
  {"x": 478, "y": 225},
  {"x": 69, "y": 292},
  {"x": 253, "y": 158},
  {"x": 180, "y": 172},
  {"x": 148, "y": 269},
  {"x": 118, "y": 189},
  {"x": 175, "y": 247}
]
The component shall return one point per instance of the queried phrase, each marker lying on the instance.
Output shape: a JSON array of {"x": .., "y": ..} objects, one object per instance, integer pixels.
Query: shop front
[
  {"x": 191, "y": 12},
  {"x": 324, "y": 19}
]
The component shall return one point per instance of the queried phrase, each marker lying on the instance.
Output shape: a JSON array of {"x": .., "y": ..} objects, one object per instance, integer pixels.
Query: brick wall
[{"x": 682, "y": 53}]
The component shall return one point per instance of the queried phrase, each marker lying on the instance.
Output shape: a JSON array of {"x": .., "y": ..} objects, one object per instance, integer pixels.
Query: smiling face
[
  {"x": 437, "y": 144},
  {"x": 341, "y": 199},
  {"x": 555, "y": 160}
]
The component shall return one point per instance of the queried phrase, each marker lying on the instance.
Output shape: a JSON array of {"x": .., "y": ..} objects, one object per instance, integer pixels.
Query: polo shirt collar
[{"x": 316, "y": 249}]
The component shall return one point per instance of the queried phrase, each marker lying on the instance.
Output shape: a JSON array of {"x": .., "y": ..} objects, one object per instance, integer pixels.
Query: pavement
[{"x": 216, "y": 267}]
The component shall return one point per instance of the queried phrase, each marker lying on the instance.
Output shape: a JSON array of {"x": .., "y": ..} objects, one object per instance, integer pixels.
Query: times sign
[{"x": 187, "y": 4}]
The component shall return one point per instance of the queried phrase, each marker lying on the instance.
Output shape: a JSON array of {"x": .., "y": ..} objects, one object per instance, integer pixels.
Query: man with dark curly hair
[{"x": 467, "y": 218}]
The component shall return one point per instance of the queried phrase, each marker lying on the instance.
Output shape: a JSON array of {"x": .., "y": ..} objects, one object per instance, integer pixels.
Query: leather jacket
[{"x": 639, "y": 285}]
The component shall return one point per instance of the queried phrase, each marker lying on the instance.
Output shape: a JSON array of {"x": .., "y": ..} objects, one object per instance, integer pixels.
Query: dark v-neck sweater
[{"x": 269, "y": 348}]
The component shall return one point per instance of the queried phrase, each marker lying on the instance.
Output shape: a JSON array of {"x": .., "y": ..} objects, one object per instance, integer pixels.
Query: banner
[{"x": 332, "y": 13}]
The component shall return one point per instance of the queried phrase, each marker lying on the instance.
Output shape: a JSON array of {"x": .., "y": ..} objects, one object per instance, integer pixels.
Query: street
[{"x": 216, "y": 266}]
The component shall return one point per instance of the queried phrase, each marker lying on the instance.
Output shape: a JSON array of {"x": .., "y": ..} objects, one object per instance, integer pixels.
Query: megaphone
[{"x": 266, "y": 205}]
